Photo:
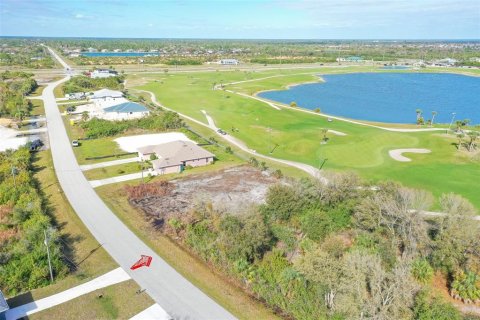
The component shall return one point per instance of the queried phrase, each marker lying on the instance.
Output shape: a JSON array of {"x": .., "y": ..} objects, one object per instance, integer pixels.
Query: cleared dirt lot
[{"x": 230, "y": 190}]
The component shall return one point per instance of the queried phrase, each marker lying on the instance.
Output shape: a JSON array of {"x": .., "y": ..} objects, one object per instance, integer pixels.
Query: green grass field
[{"x": 298, "y": 134}]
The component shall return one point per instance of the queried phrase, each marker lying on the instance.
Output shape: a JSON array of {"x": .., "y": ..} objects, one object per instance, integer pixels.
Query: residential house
[
  {"x": 173, "y": 157},
  {"x": 124, "y": 111}
]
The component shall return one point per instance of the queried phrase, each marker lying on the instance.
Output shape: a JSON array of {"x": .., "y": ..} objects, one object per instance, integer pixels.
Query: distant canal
[
  {"x": 389, "y": 97},
  {"x": 118, "y": 54}
]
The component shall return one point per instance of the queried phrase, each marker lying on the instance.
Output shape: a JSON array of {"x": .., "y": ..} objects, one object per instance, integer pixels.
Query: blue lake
[
  {"x": 389, "y": 97},
  {"x": 118, "y": 54}
]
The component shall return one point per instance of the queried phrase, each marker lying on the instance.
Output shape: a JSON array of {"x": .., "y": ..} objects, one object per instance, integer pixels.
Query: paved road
[
  {"x": 110, "y": 278},
  {"x": 166, "y": 286}
]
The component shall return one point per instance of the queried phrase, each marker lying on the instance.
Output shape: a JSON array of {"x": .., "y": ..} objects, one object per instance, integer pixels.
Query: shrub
[
  {"x": 422, "y": 271},
  {"x": 434, "y": 308},
  {"x": 466, "y": 285}
]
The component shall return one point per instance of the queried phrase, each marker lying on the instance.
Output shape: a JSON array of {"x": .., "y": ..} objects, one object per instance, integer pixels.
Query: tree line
[
  {"x": 14, "y": 86},
  {"x": 339, "y": 251},
  {"x": 23, "y": 226}
]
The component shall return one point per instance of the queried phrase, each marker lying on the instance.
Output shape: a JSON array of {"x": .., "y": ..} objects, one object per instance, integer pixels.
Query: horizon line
[{"x": 276, "y": 39}]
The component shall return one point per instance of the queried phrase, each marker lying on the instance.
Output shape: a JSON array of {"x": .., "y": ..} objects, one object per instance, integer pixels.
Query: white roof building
[{"x": 106, "y": 93}]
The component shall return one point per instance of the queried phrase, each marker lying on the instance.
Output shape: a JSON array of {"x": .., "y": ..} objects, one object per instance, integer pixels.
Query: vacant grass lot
[
  {"x": 37, "y": 107},
  {"x": 119, "y": 301},
  {"x": 298, "y": 134}
]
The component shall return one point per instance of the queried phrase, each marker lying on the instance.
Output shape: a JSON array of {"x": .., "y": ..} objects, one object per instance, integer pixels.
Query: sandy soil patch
[
  {"x": 131, "y": 143},
  {"x": 397, "y": 154},
  {"x": 337, "y": 133},
  {"x": 8, "y": 139},
  {"x": 229, "y": 190}
]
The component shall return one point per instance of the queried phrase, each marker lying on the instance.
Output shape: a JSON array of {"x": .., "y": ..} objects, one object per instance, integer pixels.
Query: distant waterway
[
  {"x": 389, "y": 97},
  {"x": 119, "y": 54}
]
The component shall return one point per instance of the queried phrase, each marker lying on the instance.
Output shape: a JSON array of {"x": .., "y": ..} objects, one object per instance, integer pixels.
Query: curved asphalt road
[{"x": 180, "y": 298}]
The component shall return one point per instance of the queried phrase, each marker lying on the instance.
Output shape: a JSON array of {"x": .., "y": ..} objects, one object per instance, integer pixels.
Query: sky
[{"x": 301, "y": 19}]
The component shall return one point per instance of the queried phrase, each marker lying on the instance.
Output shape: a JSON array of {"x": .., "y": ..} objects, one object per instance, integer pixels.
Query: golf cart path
[
  {"x": 113, "y": 277},
  {"x": 211, "y": 124},
  {"x": 337, "y": 133},
  {"x": 278, "y": 106},
  {"x": 179, "y": 297},
  {"x": 397, "y": 154},
  {"x": 86, "y": 167}
]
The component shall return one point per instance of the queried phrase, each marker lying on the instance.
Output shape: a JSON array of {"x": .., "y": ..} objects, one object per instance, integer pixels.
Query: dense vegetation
[
  {"x": 24, "y": 52},
  {"x": 23, "y": 254},
  {"x": 97, "y": 128},
  {"x": 87, "y": 84},
  {"x": 336, "y": 251},
  {"x": 14, "y": 86}
]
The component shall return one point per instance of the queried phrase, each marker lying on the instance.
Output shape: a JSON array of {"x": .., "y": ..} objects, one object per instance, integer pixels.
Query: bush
[
  {"x": 317, "y": 224},
  {"x": 466, "y": 285},
  {"x": 434, "y": 308},
  {"x": 97, "y": 128},
  {"x": 422, "y": 271}
]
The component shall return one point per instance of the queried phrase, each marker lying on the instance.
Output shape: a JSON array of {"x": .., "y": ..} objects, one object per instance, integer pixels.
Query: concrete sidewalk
[
  {"x": 154, "y": 312},
  {"x": 86, "y": 167},
  {"x": 127, "y": 177},
  {"x": 113, "y": 277}
]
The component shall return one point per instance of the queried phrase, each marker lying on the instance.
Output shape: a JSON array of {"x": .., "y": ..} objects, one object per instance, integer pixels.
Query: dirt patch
[{"x": 230, "y": 190}]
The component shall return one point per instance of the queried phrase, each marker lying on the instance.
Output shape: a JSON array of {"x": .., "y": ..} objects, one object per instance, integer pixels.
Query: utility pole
[
  {"x": 14, "y": 172},
  {"x": 48, "y": 255}
]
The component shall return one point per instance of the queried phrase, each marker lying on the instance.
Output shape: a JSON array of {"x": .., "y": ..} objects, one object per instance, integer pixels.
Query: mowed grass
[
  {"x": 120, "y": 301},
  {"x": 298, "y": 134},
  {"x": 37, "y": 107},
  {"x": 231, "y": 297},
  {"x": 84, "y": 255}
]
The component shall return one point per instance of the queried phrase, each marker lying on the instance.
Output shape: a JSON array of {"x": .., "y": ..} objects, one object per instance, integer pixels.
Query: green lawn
[
  {"x": 108, "y": 172},
  {"x": 37, "y": 107},
  {"x": 120, "y": 301},
  {"x": 298, "y": 135}
]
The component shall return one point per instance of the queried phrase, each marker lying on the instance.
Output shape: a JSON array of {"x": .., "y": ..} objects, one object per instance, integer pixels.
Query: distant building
[
  {"x": 349, "y": 59},
  {"x": 228, "y": 62},
  {"x": 3, "y": 306},
  {"x": 173, "y": 157},
  {"x": 75, "y": 96},
  {"x": 106, "y": 93},
  {"x": 125, "y": 111},
  {"x": 447, "y": 62},
  {"x": 103, "y": 73}
]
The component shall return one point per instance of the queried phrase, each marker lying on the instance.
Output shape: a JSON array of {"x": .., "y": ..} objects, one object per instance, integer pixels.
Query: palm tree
[
  {"x": 85, "y": 116},
  {"x": 324, "y": 132},
  {"x": 434, "y": 113},
  {"x": 472, "y": 144},
  {"x": 460, "y": 140},
  {"x": 419, "y": 115}
]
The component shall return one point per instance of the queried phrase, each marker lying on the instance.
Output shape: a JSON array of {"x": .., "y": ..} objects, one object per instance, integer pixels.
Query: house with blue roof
[{"x": 125, "y": 111}]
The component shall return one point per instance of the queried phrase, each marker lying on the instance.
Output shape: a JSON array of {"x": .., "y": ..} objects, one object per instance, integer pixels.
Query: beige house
[{"x": 173, "y": 157}]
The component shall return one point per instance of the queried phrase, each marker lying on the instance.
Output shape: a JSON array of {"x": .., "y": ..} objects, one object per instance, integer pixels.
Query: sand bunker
[
  {"x": 8, "y": 139},
  {"x": 397, "y": 154},
  {"x": 338, "y": 133},
  {"x": 130, "y": 144}
]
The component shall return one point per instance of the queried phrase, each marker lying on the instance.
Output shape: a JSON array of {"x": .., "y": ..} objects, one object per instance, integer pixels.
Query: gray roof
[
  {"x": 104, "y": 93},
  {"x": 126, "y": 107},
  {"x": 3, "y": 303},
  {"x": 175, "y": 152}
]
